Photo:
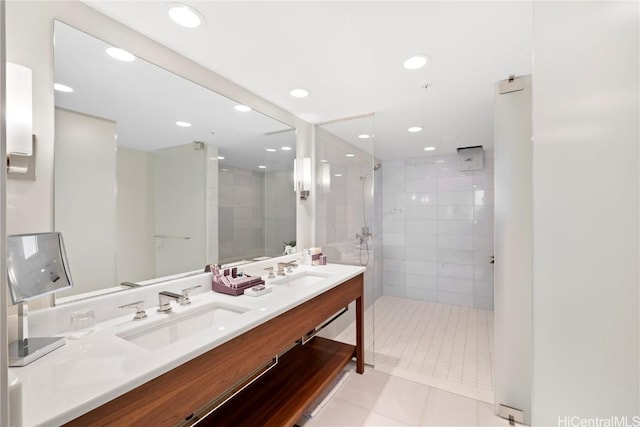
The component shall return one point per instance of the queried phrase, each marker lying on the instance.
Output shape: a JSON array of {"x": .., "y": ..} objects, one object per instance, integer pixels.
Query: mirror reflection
[{"x": 155, "y": 175}]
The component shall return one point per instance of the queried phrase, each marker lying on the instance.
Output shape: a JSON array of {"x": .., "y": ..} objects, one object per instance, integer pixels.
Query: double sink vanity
[{"x": 218, "y": 360}]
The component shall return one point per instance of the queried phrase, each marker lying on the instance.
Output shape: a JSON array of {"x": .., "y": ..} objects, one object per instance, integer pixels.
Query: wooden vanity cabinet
[{"x": 277, "y": 398}]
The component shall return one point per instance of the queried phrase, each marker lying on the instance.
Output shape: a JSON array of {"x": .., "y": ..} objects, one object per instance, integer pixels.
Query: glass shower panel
[{"x": 347, "y": 227}]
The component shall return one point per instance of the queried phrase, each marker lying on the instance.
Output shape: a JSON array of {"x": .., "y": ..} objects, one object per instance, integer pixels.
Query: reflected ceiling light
[
  {"x": 285, "y": 148},
  {"x": 429, "y": 148},
  {"x": 338, "y": 174},
  {"x": 220, "y": 157},
  {"x": 440, "y": 161},
  {"x": 242, "y": 108},
  {"x": 225, "y": 170},
  {"x": 349, "y": 155},
  {"x": 262, "y": 167},
  {"x": 120, "y": 54},
  {"x": 62, "y": 88},
  {"x": 185, "y": 16},
  {"x": 299, "y": 93},
  {"x": 364, "y": 136},
  {"x": 417, "y": 61},
  {"x": 271, "y": 150},
  {"x": 324, "y": 161},
  {"x": 183, "y": 124},
  {"x": 414, "y": 129}
]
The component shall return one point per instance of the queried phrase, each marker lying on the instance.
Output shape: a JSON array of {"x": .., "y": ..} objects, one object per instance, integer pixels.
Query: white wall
[
  {"x": 180, "y": 211},
  {"x": 240, "y": 214},
  {"x": 135, "y": 259},
  {"x": 279, "y": 211},
  {"x": 585, "y": 210},
  {"x": 438, "y": 230},
  {"x": 513, "y": 248},
  {"x": 85, "y": 197}
]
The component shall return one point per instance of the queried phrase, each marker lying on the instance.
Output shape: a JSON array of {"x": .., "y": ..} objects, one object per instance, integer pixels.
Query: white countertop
[{"x": 88, "y": 372}]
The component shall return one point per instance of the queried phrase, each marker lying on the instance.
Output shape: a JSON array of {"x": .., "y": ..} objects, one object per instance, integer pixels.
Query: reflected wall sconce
[
  {"x": 325, "y": 177},
  {"x": 20, "y": 138},
  {"x": 302, "y": 178}
]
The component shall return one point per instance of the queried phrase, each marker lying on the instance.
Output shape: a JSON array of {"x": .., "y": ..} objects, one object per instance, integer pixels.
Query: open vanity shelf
[
  {"x": 277, "y": 398},
  {"x": 280, "y": 397}
]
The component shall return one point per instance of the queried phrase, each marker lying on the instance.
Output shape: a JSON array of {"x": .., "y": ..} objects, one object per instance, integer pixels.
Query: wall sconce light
[
  {"x": 325, "y": 177},
  {"x": 20, "y": 138},
  {"x": 302, "y": 178}
]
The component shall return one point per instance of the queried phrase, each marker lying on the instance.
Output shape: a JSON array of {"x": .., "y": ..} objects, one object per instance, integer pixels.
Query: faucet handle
[
  {"x": 185, "y": 294},
  {"x": 270, "y": 270},
  {"x": 139, "y": 306}
]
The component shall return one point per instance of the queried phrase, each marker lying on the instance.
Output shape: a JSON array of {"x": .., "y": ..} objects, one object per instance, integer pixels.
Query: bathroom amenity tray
[{"x": 224, "y": 289}]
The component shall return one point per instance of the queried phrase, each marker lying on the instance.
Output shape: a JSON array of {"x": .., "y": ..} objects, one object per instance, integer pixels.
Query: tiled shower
[{"x": 438, "y": 231}]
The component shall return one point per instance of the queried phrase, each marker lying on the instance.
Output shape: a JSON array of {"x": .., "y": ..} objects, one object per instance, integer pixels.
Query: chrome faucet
[
  {"x": 165, "y": 297},
  {"x": 164, "y": 301},
  {"x": 289, "y": 265}
]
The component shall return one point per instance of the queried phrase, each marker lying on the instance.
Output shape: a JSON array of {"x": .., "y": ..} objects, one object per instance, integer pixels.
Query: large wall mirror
[{"x": 155, "y": 175}]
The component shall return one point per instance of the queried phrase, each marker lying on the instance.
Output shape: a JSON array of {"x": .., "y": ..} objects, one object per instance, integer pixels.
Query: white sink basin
[
  {"x": 178, "y": 326},
  {"x": 302, "y": 279}
]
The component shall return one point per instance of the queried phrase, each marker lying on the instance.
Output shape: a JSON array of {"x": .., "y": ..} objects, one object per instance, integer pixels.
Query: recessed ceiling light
[
  {"x": 285, "y": 148},
  {"x": 364, "y": 136},
  {"x": 120, "y": 54},
  {"x": 242, "y": 108},
  {"x": 185, "y": 16},
  {"x": 338, "y": 174},
  {"x": 299, "y": 93},
  {"x": 349, "y": 155},
  {"x": 220, "y": 157},
  {"x": 262, "y": 167},
  {"x": 416, "y": 61},
  {"x": 414, "y": 129},
  {"x": 183, "y": 124},
  {"x": 62, "y": 88},
  {"x": 271, "y": 150},
  {"x": 429, "y": 148}
]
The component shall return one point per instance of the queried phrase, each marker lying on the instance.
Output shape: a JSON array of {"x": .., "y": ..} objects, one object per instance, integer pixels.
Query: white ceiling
[
  {"x": 349, "y": 55},
  {"x": 145, "y": 101}
]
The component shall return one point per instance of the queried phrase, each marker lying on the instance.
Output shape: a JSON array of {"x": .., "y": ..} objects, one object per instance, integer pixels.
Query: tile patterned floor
[
  {"x": 444, "y": 346},
  {"x": 379, "y": 399}
]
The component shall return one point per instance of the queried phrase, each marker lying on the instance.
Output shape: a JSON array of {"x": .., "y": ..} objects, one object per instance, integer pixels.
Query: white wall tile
[
  {"x": 420, "y": 240},
  {"x": 394, "y": 265},
  {"x": 421, "y": 226},
  {"x": 455, "y": 183},
  {"x": 456, "y": 213},
  {"x": 483, "y": 289},
  {"x": 458, "y": 286},
  {"x": 455, "y": 198},
  {"x": 420, "y": 212},
  {"x": 421, "y": 185},
  {"x": 456, "y": 241},
  {"x": 455, "y": 256},
  {"x": 438, "y": 221},
  {"x": 421, "y": 254},
  {"x": 421, "y": 294},
  {"x": 421, "y": 281},
  {"x": 393, "y": 226},
  {"x": 458, "y": 271},
  {"x": 455, "y": 227},
  {"x": 422, "y": 267},
  {"x": 393, "y": 239},
  {"x": 455, "y": 299}
]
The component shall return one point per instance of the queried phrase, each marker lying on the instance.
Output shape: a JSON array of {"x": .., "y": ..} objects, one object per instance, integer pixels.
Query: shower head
[{"x": 377, "y": 166}]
